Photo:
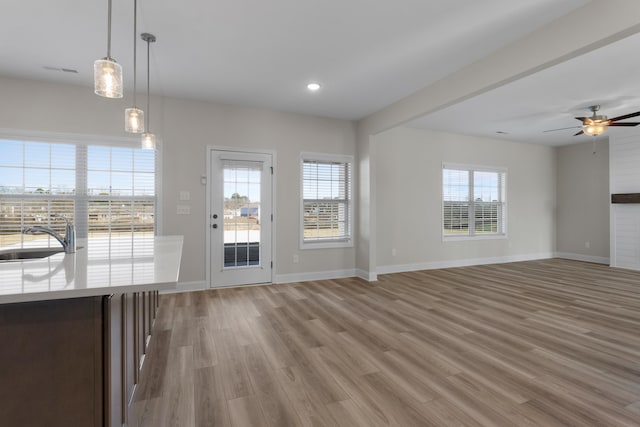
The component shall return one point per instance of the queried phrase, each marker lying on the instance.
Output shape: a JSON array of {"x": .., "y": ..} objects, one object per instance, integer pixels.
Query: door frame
[{"x": 207, "y": 225}]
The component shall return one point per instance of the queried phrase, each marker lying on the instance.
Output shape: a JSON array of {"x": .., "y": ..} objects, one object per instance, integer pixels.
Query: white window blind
[
  {"x": 473, "y": 201},
  {"x": 120, "y": 190},
  {"x": 102, "y": 189},
  {"x": 326, "y": 200}
]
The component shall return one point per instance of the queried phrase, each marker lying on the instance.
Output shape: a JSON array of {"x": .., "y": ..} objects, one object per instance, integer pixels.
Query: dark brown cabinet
[{"x": 73, "y": 361}]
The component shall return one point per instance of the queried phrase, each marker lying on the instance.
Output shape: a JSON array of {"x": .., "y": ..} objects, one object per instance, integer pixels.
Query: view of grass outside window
[
  {"x": 326, "y": 204},
  {"x": 474, "y": 202},
  {"x": 104, "y": 190}
]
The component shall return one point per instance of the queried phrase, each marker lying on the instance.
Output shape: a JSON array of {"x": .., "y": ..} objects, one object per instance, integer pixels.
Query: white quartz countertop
[{"x": 103, "y": 266}]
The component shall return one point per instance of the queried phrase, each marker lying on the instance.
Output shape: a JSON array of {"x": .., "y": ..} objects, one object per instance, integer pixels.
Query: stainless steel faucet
[{"x": 68, "y": 242}]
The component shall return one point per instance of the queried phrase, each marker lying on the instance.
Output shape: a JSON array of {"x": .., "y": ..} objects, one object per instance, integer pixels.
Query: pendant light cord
[
  {"x": 109, "y": 32},
  {"x": 148, "y": 85},
  {"x": 135, "y": 43}
]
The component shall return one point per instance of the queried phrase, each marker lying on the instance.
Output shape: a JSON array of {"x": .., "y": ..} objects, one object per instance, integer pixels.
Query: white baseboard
[
  {"x": 318, "y": 275},
  {"x": 580, "y": 257},
  {"x": 401, "y": 268},
  {"x": 278, "y": 278},
  {"x": 387, "y": 269},
  {"x": 187, "y": 287},
  {"x": 370, "y": 276}
]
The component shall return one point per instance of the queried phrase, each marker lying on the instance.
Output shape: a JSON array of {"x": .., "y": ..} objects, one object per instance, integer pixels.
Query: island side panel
[{"x": 52, "y": 353}]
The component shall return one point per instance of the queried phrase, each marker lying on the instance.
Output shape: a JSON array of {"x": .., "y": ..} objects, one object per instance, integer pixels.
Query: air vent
[{"x": 64, "y": 70}]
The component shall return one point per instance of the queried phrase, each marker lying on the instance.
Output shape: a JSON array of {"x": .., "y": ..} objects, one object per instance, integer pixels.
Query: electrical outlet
[
  {"x": 296, "y": 258},
  {"x": 394, "y": 252},
  {"x": 587, "y": 245}
]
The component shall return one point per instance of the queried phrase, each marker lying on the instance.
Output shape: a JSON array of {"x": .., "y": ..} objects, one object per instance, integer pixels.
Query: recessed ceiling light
[{"x": 313, "y": 87}]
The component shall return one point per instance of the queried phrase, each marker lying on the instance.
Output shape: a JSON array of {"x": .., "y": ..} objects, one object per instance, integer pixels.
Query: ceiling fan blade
[
  {"x": 626, "y": 116},
  {"x": 579, "y": 133},
  {"x": 625, "y": 124},
  {"x": 582, "y": 119},
  {"x": 553, "y": 130}
]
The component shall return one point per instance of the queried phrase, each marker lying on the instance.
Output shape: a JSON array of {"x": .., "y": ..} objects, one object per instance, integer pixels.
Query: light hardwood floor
[{"x": 541, "y": 343}]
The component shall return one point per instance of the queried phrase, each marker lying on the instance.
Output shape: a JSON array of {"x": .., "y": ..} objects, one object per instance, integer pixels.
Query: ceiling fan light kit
[
  {"x": 598, "y": 124},
  {"x": 595, "y": 129},
  {"x": 595, "y": 125}
]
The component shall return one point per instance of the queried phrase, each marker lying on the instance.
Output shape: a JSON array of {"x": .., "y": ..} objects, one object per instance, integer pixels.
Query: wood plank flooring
[{"x": 540, "y": 343}]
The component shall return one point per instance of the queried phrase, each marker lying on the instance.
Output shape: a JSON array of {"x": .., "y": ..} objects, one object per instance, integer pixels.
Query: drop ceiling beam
[{"x": 590, "y": 27}]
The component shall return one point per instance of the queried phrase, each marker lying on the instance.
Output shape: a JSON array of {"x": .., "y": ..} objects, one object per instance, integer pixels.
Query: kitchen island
[{"x": 74, "y": 329}]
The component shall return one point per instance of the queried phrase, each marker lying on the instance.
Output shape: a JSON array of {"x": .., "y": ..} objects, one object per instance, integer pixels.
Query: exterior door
[{"x": 240, "y": 218}]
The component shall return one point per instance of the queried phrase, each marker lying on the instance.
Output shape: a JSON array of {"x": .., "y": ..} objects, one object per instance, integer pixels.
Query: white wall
[
  {"x": 561, "y": 40},
  {"x": 408, "y": 208},
  {"x": 398, "y": 168},
  {"x": 582, "y": 220},
  {"x": 186, "y": 128}
]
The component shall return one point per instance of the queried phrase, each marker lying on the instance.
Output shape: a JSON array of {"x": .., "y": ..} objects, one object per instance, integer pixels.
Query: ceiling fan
[{"x": 597, "y": 124}]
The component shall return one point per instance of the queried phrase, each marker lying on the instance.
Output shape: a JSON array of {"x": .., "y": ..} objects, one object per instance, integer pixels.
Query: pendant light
[
  {"x": 107, "y": 73},
  {"x": 148, "y": 139},
  {"x": 133, "y": 116}
]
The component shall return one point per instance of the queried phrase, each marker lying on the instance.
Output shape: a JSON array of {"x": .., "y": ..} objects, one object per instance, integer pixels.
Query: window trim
[
  {"x": 502, "y": 234},
  {"x": 86, "y": 140},
  {"x": 334, "y": 243}
]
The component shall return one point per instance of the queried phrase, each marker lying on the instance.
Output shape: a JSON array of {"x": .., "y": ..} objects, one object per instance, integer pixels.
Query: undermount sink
[{"x": 27, "y": 253}]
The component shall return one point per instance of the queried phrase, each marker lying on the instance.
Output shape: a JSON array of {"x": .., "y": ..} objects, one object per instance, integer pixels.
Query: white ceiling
[
  {"x": 551, "y": 99},
  {"x": 366, "y": 54}
]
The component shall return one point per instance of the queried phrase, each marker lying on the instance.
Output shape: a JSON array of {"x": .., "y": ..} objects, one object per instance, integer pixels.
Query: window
[
  {"x": 473, "y": 201},
  {"x": 326, "y": 201},
  {"x": 105, "y": 190}
]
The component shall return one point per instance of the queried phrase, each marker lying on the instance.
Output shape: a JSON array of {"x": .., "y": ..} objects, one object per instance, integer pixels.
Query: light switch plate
[
  {"x": 183, "y": 210},
  {"x": 185, "y": 195}
]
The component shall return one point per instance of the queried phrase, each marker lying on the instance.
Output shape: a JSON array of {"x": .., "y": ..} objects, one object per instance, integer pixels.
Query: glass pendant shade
[
  {"x": 148, "y": 141},
  {"x": 595, "y": 129},
  {"x": 134, "y": 120},
  {"x": 107, "y": 76}
]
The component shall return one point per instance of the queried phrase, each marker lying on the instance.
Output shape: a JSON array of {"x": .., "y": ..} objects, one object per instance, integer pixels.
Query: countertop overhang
[{"x": 104, "y": 265}]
